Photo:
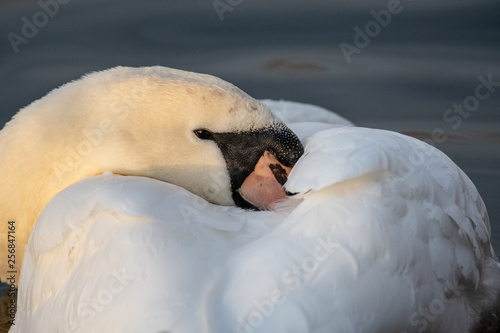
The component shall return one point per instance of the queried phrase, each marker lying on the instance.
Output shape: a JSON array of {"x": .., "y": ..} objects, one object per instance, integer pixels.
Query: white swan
[
  {"x": 193, "y": 130},
  {"x": 385, "y": 234}
]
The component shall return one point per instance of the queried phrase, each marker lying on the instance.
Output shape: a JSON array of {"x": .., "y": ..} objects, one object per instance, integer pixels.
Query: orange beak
[{"x": 264, "y": 186}]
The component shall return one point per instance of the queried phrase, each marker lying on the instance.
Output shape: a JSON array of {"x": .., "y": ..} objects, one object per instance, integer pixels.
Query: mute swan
[
  {"x": 193, "y": 130},
  {"x": 384, "y": 234}
]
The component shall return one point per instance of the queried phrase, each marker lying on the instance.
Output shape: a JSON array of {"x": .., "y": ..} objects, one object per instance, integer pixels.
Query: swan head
[{"x": 188, "y": 129}]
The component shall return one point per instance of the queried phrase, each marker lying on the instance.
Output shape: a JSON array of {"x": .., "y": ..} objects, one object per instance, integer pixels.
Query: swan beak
[
  {"x": 264, "y": 186},
  {"x": 258, "y": 163}
]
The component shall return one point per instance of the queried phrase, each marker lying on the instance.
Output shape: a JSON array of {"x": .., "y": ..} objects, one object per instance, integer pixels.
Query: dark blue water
[{"x": 405, "y": 74}]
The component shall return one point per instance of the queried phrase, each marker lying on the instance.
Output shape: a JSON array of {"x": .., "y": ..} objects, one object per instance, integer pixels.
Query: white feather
[{"x": 389, "y": 235}]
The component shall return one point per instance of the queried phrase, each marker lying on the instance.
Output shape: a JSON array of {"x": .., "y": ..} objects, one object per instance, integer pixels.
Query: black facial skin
[
  {"x": 242, "y": 151},
  {"x": 279, "y": 173}
]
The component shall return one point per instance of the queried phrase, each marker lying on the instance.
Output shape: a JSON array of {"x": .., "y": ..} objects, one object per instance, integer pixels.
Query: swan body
[
  {"x": 384, "y": 234},
  {"x": 368, "y": 249}
]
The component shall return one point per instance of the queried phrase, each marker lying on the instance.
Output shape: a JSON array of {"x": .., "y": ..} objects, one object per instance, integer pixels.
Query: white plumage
[{"x": 384, "y": 234}]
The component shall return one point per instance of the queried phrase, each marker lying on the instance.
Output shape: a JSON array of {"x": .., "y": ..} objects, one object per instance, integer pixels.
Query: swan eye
[{"x": 204, "y": 134}]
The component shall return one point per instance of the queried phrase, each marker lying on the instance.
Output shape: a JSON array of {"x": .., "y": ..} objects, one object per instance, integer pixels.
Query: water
[{"x": 430, "y": 56}]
